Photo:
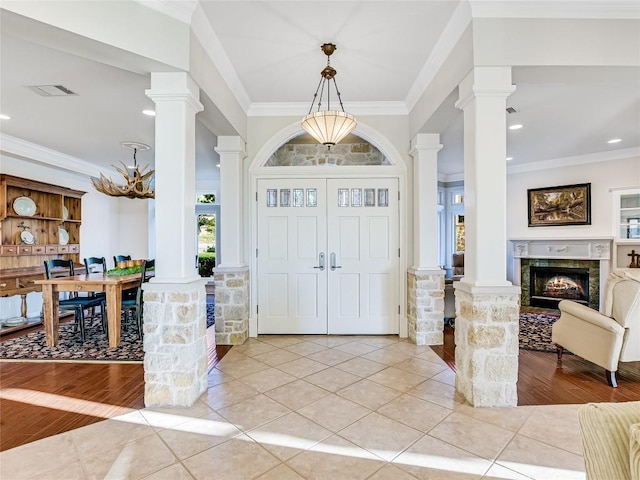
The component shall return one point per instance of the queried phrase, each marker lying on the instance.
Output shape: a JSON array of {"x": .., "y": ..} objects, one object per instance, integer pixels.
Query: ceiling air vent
[
  {"x": 51, "y": 90},
  {"x": 511, "y": 110}
]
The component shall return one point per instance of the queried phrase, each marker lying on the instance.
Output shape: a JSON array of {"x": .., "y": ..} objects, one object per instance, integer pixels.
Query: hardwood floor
[
  {"x": 38, "y": 400},
  {"x": 542, "y": 380}
]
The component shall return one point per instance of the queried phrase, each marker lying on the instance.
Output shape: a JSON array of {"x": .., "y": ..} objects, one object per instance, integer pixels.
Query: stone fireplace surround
[
  {"x": 592, "y": 267},
  {"x": 591, "y": 253},
  {"x": 550, "y": 284}
]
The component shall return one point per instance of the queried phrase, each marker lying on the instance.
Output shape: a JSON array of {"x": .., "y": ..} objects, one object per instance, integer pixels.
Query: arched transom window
[{"x": 303, "y": 150}]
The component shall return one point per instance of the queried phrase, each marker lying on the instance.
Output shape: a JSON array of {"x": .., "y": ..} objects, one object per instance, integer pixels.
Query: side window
[
  {"x": 207, "y": 215},
  {"x": 451, "y": 213}
]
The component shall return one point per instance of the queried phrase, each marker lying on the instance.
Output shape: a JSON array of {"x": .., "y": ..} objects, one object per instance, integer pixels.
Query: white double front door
[{"x": 328, "y": 256}]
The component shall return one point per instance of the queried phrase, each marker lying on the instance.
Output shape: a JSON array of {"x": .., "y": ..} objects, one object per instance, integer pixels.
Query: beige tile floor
[{"x": 317, "y": 407}]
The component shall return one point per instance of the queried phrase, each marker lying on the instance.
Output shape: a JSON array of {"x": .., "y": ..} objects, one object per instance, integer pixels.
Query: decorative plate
[
  {"x": 9, "y": 322},
  {"x": 65, "y": 213},
  {"x": 24, "y": 206},
  {"x": 27, "y": 237},
  {"x": 64, "y": 236}
]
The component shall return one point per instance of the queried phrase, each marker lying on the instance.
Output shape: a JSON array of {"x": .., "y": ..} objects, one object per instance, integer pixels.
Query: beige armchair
[{"x": 603, "y": 338}]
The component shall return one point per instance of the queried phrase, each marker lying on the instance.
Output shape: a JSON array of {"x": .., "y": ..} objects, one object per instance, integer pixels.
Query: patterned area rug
[
  {"x": 535, "y": 330},
  {"x": 33, "y": 346},
  {"x": 211, "y": 319}
]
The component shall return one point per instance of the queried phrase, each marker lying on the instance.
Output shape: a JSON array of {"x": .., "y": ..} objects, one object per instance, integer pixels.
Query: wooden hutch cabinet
[{"x": 38, "y": 222}]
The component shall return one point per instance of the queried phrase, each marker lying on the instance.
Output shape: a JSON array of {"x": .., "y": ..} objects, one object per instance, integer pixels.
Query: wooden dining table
[{"x": 112, "y": 285}]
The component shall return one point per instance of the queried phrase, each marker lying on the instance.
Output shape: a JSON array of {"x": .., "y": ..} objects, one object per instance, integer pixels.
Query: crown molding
[
  {"x": 18, "y": 148},
  {"x": 446, "y": 43},
  {"x": 452, "y": 177},
  {"x": 191, "y": 13},
  {"x": 619, "y": 154},
  {"x": 211, "y": 44},
  {"x": 298, "y": 109},
  {"x": 567, "y": 9},
  {"x": 607, "y": 156},
  {"x": 181, "y": 10}
]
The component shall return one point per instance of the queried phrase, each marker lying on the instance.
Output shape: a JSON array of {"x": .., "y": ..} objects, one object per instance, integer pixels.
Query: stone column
[
  {"x": 175, "y": 343},
  {"x": 486, "y": 330},
  {"x": 232, "y": 305},
  {"x": 231, "y": 276},
  {"x": 425, "y": 308}
]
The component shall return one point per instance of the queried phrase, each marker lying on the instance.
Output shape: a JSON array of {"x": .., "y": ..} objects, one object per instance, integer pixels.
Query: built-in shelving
[
  {"x": 626, "y": 226},
  {"x": 53, "y": 219}
]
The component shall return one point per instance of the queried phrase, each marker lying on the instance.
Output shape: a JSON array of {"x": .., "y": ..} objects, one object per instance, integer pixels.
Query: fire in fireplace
[{"x": 549, "y": 285}]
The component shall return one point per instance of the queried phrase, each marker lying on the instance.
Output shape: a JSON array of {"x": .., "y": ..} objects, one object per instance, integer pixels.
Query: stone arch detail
[
  {"x": 370, "y": 135},
  {"x": 304, "y": 151}
]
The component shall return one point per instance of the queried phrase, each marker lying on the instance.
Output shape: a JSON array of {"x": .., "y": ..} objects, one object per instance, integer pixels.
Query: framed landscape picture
[{"x": 562, "y": 205}]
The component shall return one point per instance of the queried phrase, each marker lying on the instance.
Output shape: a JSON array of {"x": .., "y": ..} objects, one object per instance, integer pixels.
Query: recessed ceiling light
[
  {"x": 4, "y": 117},
  {"x": 614, "y": 140},
  {"x": 218, "y": 165},
  {"x": 515, "y": 126},
  {"x": 509, "y": 158},
  {"x": 151, "y": 113}
]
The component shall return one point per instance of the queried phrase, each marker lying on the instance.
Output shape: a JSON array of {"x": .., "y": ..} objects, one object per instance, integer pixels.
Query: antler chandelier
[
  {"x": 328, "y": 126},
  {"x": 137, "y": 181}
]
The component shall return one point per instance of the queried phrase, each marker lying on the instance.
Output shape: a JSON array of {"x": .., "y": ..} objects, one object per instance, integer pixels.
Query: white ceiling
[
  {"x": 275, "y": 46},
  {"x": 273, "y": 49}
]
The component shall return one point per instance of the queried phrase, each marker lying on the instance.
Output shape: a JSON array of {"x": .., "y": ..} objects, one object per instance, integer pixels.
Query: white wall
[
  {"x": 131, "y": 27},
  {"x": 624, "y": 172},
  {"x": 133, "y": 230},
  {"x": 601, "y": 175},
  {"x": 555, "y": 41}
]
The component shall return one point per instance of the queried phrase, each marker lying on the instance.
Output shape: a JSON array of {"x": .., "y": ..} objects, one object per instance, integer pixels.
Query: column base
[
  {"x": 425, "y": 306},
  {"x": 175, "y": 345},
  {"x": 232, "y": 305},
  {"x": 486, "y": 337}
]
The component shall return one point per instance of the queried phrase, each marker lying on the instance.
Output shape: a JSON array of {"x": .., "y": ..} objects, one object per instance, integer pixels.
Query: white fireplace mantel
[
  {"x": 563, "y": 248},
  {"x": 570, "y": 248}
]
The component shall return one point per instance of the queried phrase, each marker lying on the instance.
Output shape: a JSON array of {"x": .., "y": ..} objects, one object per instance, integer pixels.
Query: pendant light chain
[
  {"x": 315, "y": 96},
  {"x": 338, "y": 93},
  {"x": 328, "y": 126}
]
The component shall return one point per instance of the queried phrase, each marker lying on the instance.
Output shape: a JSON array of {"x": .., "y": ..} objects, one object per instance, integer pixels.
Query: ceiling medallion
[
  {"x": 328, "y": 126},
  {"x": 137, "y": 181}
]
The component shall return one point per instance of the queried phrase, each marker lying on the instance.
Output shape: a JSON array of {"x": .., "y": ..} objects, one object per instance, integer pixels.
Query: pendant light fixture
[
  {"x": 137, "y": 181},
  {"x": 328, "y": 126}
]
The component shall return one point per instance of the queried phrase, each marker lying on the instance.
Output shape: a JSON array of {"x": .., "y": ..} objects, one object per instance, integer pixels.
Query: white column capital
[
  {"x": 174, "y": 86},
  {"x": 485, "y": 82},
  {"x": 231, "y": 145},
  {"x": 424, "y": 141}
]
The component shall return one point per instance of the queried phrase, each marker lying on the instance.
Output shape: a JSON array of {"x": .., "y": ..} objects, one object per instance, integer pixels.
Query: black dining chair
[
  {"x": 120, "y": 258},
  {"x": 129, "y": 293},
  {"x": 64, "y": 268},
  {"x": 96, "y": 265},
  {"x": 132, "y": 308}
]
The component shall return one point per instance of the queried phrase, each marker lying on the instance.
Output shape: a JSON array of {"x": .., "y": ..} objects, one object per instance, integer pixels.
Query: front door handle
[
  {"x": 332, "y": 262},
  {"x": 320, "y": 265}
]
